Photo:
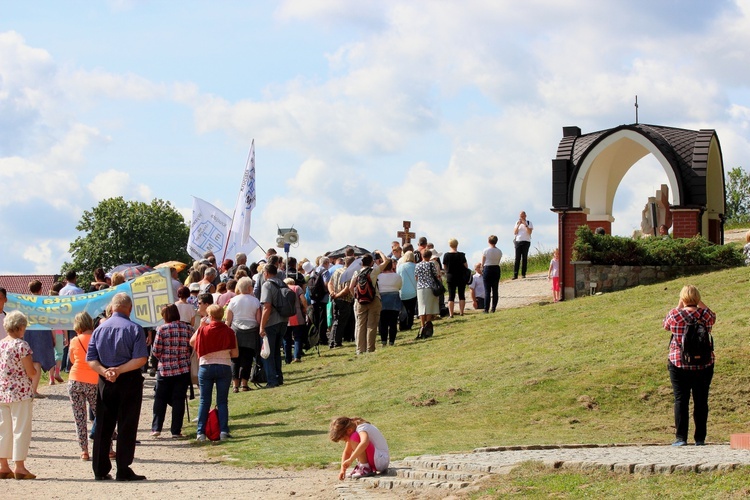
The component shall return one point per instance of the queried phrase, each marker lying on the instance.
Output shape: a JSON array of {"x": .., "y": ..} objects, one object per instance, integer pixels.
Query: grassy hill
[{"x": 590, "y": 370}]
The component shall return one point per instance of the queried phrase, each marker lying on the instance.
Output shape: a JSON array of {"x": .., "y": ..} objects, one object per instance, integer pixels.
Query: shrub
[{"x": 619, "y": 250}]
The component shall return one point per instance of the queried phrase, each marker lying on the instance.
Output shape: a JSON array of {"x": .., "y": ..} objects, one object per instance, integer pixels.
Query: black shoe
[
  {"x": 107, "y": 477},
  {"x": 514, "y": 278},
  {"x": 131, "y": 477}
]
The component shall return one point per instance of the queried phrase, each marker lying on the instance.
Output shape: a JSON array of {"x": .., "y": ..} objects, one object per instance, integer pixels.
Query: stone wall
[{"x": 614, "y": 278}]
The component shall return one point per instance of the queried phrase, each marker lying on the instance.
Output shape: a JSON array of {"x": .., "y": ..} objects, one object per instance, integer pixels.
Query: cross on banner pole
[{"x": 406, "y": 235}]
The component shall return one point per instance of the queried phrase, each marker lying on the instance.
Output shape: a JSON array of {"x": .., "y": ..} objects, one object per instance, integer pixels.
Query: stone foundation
[{"x": 599, "y": 278}]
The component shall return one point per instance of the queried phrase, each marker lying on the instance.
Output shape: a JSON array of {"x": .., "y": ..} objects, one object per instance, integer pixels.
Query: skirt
[{"x": 427, "y": 301}]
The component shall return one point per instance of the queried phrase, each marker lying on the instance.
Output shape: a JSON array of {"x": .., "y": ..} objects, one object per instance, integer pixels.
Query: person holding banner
[{"x": 42, "y": 343}]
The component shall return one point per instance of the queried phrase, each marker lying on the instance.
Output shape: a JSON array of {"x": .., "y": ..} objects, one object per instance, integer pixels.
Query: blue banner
[{"x": 150, "y": 292}]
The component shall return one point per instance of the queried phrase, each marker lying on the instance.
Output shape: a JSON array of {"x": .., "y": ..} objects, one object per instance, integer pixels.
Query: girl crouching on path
[{"x": 364, "y": 442}]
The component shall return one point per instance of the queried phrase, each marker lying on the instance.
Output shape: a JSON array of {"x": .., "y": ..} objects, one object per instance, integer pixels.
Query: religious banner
[
  {"x": 209, "y": 229},
  {"x": 150, "y": 292}
]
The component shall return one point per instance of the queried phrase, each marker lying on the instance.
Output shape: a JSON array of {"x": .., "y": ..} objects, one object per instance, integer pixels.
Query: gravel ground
[{"x": 173, "y": 467}]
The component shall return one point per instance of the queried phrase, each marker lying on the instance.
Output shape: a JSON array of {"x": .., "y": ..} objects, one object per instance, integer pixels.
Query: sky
[{"x": 364, "y": 113}]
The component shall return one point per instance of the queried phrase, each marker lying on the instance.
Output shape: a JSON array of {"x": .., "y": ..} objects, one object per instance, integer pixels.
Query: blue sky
[{"x": 364, "y": 113}]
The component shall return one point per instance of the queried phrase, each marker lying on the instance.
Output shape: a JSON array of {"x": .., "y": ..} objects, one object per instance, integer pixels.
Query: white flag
[
  {"x": 241, "y": 241},
  {"x": 209, "y": 230}
]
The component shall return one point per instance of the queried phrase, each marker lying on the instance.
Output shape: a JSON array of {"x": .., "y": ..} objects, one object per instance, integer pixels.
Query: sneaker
[
  {"x": 224, "y": 436},
  {"x": 363, "y": 471},
  {"x": 200, "y": 438},
  {"x": 155, "y": 434},
  {"x": 700, "y": 443},
  {"x": 679, "y": 442},
  {"x": 355, "y": 470}
]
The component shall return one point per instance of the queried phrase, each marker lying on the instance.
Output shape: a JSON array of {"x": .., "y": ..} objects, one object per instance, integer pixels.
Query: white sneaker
[
  {"x": 362, "y": 471},
  {"x": 224, "y": 436},
  {"x": 200, "y": 438}
]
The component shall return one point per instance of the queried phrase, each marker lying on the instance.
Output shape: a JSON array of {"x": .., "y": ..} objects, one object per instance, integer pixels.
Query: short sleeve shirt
[
  {"x": 15, "y": 384},
  {"x": 117, "y": 341},
  {"x": 268, "y": 294}
]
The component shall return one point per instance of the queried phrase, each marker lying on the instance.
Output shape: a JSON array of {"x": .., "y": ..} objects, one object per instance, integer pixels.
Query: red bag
[{"x": 213, "y": 429}]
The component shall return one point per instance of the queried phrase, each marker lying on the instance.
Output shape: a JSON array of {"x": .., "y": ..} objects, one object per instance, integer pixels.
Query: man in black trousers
[{"x": 117, "y": 351}]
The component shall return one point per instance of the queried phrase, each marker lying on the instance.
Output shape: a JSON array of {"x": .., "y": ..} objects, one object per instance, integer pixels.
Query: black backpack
[
  {"x": 258, "y": 374},
  {"x": 697, "y": 344},
  {"x": 317, "y": 286},
  {"x": 364, "y": 290},
  {"x": 285, "y": 302}
]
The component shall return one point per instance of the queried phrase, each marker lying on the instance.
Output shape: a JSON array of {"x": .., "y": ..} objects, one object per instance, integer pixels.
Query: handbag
[
  {"x": 468, "y": 276},
  {"x": 437, "y": 287},
  {"x": 265, "y": 351}
]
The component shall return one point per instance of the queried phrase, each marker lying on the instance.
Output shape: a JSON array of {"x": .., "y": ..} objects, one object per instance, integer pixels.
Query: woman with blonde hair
[
  {"x": 215, "y": 344},
  {"x": 686, "y": 374},
  {"x": 16, "y": 393}
]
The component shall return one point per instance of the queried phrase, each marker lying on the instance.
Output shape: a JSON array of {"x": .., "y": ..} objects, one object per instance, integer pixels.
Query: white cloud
[
  {"x": 113, "y": 183},
  {"x": 46, "y": 254}
]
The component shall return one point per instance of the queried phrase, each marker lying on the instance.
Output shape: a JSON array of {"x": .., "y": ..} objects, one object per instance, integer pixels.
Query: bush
[{"x": 619, "y": 250}]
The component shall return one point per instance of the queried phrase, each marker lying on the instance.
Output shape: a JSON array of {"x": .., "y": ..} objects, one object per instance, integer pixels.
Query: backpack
[
  {"x": 317, "y": 286},
  {"x": 213, "y": 429},
  {"x": 364, "y": 291},
  {"x": 697, "y": 344},
  {"x": 258, "y": 374},
  {"x": 285, "y": 302}
]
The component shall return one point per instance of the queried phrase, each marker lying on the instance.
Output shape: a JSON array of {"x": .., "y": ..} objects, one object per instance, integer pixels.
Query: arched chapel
[{"x": 589, "y": 168}]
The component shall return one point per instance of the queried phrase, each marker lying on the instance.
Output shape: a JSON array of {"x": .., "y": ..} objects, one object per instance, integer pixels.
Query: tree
[
  {"x": 738, "y": 194},
  {"x": 118, "y": 232}
]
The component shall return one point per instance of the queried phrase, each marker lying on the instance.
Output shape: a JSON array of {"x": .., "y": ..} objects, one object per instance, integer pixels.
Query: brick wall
[
  {"x": 568, "y": 223},
  {"x": 685, "y": 223}
]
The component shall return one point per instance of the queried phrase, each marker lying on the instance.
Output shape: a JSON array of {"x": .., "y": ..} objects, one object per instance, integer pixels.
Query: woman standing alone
[{"x": 687, "y": 377}]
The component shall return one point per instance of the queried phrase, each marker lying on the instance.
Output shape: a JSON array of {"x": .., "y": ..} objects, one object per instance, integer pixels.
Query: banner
[
  {"x": 150, "y": 292},
  {"x": 240, "y": 240},
  {"x": 209, "y": 230}
]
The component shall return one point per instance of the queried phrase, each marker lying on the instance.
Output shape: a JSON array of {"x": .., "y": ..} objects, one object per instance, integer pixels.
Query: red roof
[{"x": 19, "y": 283}]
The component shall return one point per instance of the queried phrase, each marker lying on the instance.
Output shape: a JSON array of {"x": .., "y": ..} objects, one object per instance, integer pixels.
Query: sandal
[
  {"x": 236, "y": 390},
  {"x": 245, "y": 388},
  {"x": 85, "y": 456}
]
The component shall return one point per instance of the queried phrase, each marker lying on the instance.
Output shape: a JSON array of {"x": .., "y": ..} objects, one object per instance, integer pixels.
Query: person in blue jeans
[
  {"x": 272, "y": 325},
  {"x": 215, "y": 344}
]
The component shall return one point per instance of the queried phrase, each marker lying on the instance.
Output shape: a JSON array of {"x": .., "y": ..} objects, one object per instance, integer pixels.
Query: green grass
[
  {"x": 590, "y": 370},
  {"x": 535, "y": 481}
]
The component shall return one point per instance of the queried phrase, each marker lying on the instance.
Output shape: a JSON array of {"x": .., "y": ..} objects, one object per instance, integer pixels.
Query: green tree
[
  {"x": 738, "y": 194},
  {"x": 118, "y": 232}
]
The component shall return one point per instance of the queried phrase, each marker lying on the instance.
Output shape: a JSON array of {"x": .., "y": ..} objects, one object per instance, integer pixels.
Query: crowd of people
[{"x": 214, "y": 331}]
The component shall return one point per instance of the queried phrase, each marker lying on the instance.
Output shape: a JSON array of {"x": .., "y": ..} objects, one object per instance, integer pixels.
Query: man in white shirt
[{"x": 71, "y": 288}]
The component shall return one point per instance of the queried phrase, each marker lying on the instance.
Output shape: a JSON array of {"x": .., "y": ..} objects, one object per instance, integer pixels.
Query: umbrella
[
  {"x": 341, "y": 252},
  {"x": 179, "y": 266},
  {"x": 130, "y": 271}
]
